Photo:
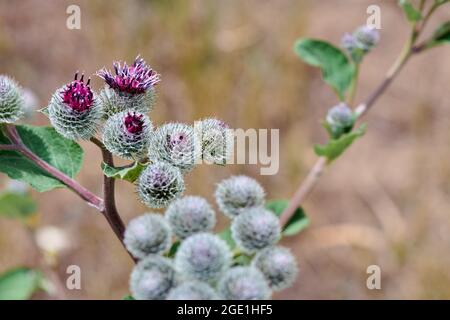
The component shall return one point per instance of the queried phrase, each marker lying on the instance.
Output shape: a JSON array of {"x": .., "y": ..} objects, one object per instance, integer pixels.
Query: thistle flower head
[
  {"x": 131, "y": 87},
  {"x": 147, "y": 234},
  {"x": 366, "y": 37},
  {"x": 190, "y": 215},
  {"x": 78, "y": 95},
  {"x": 217, "y": 140},
  {"x": 159, "y": 184},
  {"x": 134, "y": 79},
  {"x": 278, "y": 266},
  {"x": 243, "y": 283},
  {"x": 192, "y": 290},
  {"x": 126, "y": 134},
  {"x": 255, "y": 229},
  {"x": 237, "y": 194},
  {"x": 152, "y": 278},
  {"x": 11, "y": 101},
  {"x": 74, "y": 110},
  {"x": 340, "y": 119},
  {"x": 203, "y": 257},
  {"x": 176, "y": 144}
]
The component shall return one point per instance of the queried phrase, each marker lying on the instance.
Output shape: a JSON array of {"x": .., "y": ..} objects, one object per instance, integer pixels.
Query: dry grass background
[{"x": 385, "y": 202}]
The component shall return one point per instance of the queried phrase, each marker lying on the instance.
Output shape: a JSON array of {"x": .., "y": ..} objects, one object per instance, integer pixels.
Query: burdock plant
[
  {"x": 180, "y": 256},
  {"x": 74, "y": 110}
]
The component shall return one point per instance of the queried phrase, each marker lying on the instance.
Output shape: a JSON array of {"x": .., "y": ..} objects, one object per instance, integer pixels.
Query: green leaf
[
  {"x": 411, "y": 13},
  {"x": 297, "y": 223},
  {"x": 226, "y": 236},
  {"x": 441, "y": 35},
  {"x": 128, "y": 297},
  {"x": 45, "y": 142},
  {"x": 335, "y": 147},
  {"x": 16, "y": 205},
  {"x": 337, "y": 70},
  {"x": 129, "y": 173},
  {"x": 19, "y": 283},
  {"x": 241, "y": 260},
  {"x": 173, "y": 249}
]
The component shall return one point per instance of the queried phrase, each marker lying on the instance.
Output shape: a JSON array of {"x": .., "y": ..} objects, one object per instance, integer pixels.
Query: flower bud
[
  {"x": 255, "y": 229},
  {"x": 190, "y": 215},
  {"x": 192, "y": 290},
  {"x": 217, "y": 140},
  {"x": 147, "y": 234},
  {"x": 175, "y": 143},
  {"x": 11, "y": 101},
  {"x": 366, "y": 37},
  {"x": 348, "y": 42},
  {"x": 159, "y": 184},
  {"x": 203, "y": 257},
  {"x": 360, "y": 42},
  {"x": 237, "y": 194},
  {"x": 278, "y": 266},
  {"x": 152, "y": 278},
  {"x": 340, "y": 119},
  {"x": 131, "y": 87},
  {"x": 74, "y": 110},
  {"x": 243, "y": 283},
  {"x": 126, "y": 134}
]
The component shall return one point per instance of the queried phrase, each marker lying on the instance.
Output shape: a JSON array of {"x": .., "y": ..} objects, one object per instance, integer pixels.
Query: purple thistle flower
[
  {"x": 78, "y": 95},
  {"x": 134, "y": 123},
  {"x": 134, "y": 79}
]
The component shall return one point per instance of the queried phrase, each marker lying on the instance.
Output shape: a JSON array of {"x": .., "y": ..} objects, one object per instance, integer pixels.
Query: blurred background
[{"x": 385, "y": 202}]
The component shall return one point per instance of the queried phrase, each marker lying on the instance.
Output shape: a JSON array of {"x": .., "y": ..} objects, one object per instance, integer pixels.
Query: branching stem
[
  {"x": 106, "y": 206},
  {"x": 315, "y": 173},
  {"x": 19, "y": 146},
  {"x": 110, "y": 210}
]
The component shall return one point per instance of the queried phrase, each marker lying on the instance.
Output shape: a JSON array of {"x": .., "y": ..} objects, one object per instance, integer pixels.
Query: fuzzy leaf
[
  {"x": 337, "y": 70},
  {"x": 411, "y": 13},
  {"x": 19, "y": 283},
  {"x": 16, "y": 205},
  {"x": 335, "y": 147},
  {"x": 128, "y": 297},
  {"x": 298, "y": 222},
  {"x": 129, "y": 174},
  {"x": 45, "y": 142}
]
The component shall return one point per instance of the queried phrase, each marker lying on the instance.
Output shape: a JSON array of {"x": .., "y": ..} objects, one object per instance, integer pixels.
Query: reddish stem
[{"x": 19, "y": 146}]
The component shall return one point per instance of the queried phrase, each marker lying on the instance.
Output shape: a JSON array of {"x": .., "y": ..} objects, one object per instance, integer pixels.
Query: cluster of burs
[
  {"x": 203, "y": 266},
  {"x": 178, "y": 255}
]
